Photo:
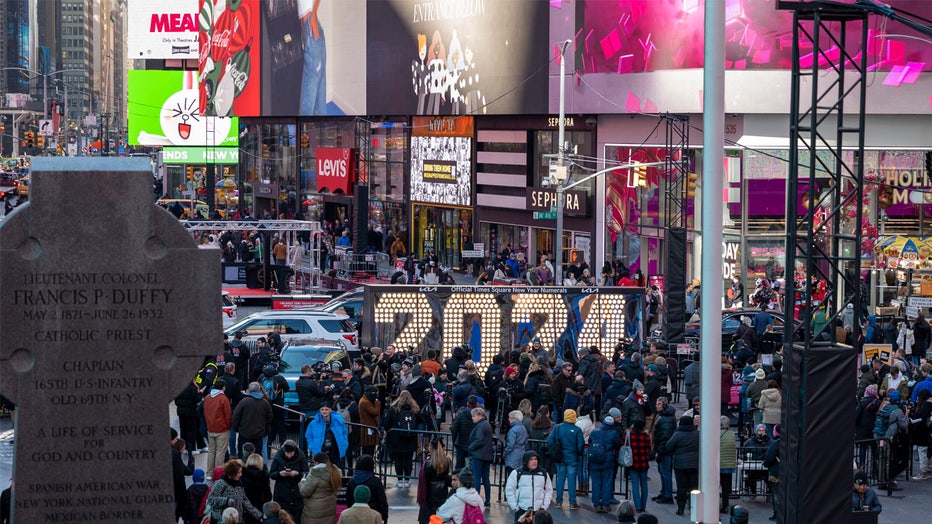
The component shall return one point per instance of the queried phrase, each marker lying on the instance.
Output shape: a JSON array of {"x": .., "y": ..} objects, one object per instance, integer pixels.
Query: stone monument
[{"x": 106, "y": 308}]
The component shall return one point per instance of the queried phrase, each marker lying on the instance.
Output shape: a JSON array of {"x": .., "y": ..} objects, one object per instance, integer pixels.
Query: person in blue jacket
[
  {"x": 569, "y": 437},
  {"x": 327, "y": 433}
]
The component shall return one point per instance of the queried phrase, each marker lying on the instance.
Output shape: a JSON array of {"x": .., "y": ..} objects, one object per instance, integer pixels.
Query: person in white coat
[
  {"x": 453, "y": 509},
  {"x": 528, "y": 488}
]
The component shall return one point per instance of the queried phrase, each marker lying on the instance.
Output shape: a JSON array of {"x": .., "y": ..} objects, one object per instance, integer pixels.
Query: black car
[{"x": 732, "y": 319}]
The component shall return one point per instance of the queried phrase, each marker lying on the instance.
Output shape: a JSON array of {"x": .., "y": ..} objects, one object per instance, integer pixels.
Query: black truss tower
[{"x": 826, "y": 114}]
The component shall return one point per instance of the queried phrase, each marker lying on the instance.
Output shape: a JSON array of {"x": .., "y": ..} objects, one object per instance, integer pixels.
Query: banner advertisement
[
  {"x": 457, "y": 57},
  {"x": 440, "y": 170},
  {"x": 491, "y": 319},
  {"x": 163, "y": 29},
  {"x": 200, "y": 155},
  {"x": 228, "y": 57},
  {"x": 335, "y": 169},
  {"x": 162, "y": 108}
]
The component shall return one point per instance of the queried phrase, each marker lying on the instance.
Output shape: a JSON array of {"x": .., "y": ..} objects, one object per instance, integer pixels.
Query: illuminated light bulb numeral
[
  {"x": 415, "y": 329},
  {"x": 486, "y": 306},
  {"x": 526, "y": 306},
  {"x": 604, "y": 323}
]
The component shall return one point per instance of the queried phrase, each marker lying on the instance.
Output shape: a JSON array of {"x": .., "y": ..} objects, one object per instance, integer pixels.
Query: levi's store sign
[
  {"x": 335, "y": 169},
  {"x": 542, "y": 199}
]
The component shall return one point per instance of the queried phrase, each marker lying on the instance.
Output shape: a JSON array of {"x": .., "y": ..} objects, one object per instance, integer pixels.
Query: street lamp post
[
  {"x": 561, "y": 136},
  {"x": 45, "y": 85}
]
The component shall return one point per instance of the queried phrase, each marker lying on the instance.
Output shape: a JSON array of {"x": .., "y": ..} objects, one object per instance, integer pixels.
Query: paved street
[{"x": 909, "y": 505}]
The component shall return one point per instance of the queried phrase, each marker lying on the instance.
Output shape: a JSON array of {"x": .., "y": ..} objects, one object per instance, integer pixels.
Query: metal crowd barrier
[{"x": 350, "y": 264}]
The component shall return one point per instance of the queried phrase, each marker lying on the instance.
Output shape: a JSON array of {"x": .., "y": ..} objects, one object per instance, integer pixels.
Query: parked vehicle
[{"x": 298, "y": 324}]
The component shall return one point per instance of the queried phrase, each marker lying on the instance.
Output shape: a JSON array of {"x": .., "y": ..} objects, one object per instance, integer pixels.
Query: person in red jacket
[{"x": 219, "y": 417}]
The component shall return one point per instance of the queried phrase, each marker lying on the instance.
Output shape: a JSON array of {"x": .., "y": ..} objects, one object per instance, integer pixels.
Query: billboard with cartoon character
[
  {"x": 462, "y": 57},
  {"x": 163, "y": 111}
]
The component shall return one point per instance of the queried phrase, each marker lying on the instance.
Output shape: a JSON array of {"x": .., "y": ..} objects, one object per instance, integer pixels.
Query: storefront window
[
  {"x": 441, "y": 229},
  {"x": 270, "y": 169},
  {"x": 388, "y": 162}
]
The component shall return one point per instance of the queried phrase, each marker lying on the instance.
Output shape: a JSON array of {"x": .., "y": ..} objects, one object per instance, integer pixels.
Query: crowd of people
[{"x": 564, "y": 421}]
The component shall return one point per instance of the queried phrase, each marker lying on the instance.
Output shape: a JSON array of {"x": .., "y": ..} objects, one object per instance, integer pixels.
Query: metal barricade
[{"x": 362, "y": 265}]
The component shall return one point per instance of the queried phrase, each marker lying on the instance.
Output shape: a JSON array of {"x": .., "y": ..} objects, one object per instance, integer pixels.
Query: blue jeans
[
  {"x": 665, "y": 467},
  {"x": 460, "y": 455},
  {"x": 602, "y": 484},
  {"x": 480, "y": 472},
  {"x": 314, "y": 75},
  {"x": 566, "y": 473},
  {"x": 639, "y": 486}
]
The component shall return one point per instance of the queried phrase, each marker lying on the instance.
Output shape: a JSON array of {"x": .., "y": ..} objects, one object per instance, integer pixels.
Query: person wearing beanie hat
[
  {"x": 195, "y": 495},
  {"x": 684, "y": 446},
  {"x": 288, "y": 466},
  {"x": 569, "y": 438},
  {"x": 635, "y": 406},
  {"x": 865, "y": 415},
  {"x": 615, "y": 413},
  {"x": 753, "y": 393},
  {"x": 602, "y": 445},
  {"x": 647, "y": 518},
  {"x": 755, "y": 448},
  {"x": 738, "y": 515},
  {"x": 663, "y": 428},
  {"x": 454, "y": 508},
  {"x": 360, "y": 512},
  {"x": 364, "y": 475},
  {"x": 528, "y": 488}
]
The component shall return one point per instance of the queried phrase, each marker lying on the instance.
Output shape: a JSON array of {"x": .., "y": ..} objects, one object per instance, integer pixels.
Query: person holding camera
[{"x": 529, "y": 488}]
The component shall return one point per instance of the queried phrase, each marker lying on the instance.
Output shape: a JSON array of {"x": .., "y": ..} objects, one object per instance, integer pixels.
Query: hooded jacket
[
  {"x": 455, "y": 506},
  {"x": 526, "y": 489},
  {"x": 252, "y": 416},
  {"x": 318, "y": 428},
  {"x": 570, "y": 439},
  {"x": 378, "y": 500},
  {"x": 664, "y": 427},
  {"x": 770, "y": 400},
  {"x": 684, "y": 445}
]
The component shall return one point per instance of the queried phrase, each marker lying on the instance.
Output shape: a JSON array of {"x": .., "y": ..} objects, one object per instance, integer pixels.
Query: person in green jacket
[
  {"x": 819, "y": 320},
  {"x": 728, "y": 461}
]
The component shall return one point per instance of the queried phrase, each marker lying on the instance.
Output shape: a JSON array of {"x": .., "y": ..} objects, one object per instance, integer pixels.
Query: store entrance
[{"x": 442, "y": 230}]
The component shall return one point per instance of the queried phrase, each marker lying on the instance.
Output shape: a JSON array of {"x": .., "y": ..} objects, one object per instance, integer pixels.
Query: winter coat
[
  {"x": 227, "y": 493},
  {"x": 217, "y": 412},
  {"x": 316, "y": 431},
  {"x": 452, "y": 510},
  {"x": 480, "y": 441},
  {"x": 369, "y": 411},
  {"x": 399, "y": 440},
  {"x": 757, "y": 446},
  {"x": 684, "y": 445},
  {"x": 186, "y": 403},
  {"x": 864, "y": 417},
  {"x": 252, "y": 416},
  {"x": 432, "y": 489},
  {"x": 359, "y": 514},
  {"x": 286, "y": 490},
  {"x": 866, "y": 379},
  {"x": 869, "y": 499},
  {"x": 755, "y": 389},
  {"x": 320, "y": 499},
  {"x": 614, "y": 395},
  {"x": 515, "y": 445},
  {"x": 461, "y": 393},
  {"x": 590, "y": 367},
  {"x": 770, "y": 404},
  {"x": 532, "y": 389},
  {"x": 527, "y": 489},
  {"x": 461, "y": 429},
  {"x": 257, "y": 486},
  {"x": 640, "y": 450},
  {"x": 378, "y": 500},
  {"x": 727, "y": 450},
  {"x": 570, "y": 440},
  {"x": 664, "y": 427},
  {"x": 610, "y": 441},
  {"x": 632, "y": 410}
]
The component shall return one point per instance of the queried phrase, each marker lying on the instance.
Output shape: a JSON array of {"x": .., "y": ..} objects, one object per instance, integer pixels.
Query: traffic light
[
  {"x": 30, "y": 139},
  {"x": 40, "y": 142},
  {"x": 305, "y": 141},
  {"x": 190, "y": 173},
  {"x": 640, "y": 174},
  {"x": 691, "y": 185}
]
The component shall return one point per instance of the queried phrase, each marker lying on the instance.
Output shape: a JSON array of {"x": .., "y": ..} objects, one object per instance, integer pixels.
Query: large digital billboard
[
  {"x": 163, "y": 111},
  {"x": 441, "y": 170},
  {"x": 228, "y": 57},
  {"x": 163, "y": 29},
  {"x": 457, "y": 57}
]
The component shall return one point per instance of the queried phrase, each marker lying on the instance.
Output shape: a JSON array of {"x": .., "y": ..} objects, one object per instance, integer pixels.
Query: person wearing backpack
[
  {"x": 865, "y": 414},
  {"x": 275, "y": 386},
  {"x": 566, "y": 444},
  {"x": 528, "y": 488},
  {"x": 603, "y": 445},
  {"x": 400, "y": 420},
  {"x": 465, "y": 505},
  {"x": 890, "y": 423}
]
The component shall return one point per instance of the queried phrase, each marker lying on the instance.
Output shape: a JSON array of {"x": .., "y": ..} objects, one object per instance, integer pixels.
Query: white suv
[{"x": 298, "y": 324}]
